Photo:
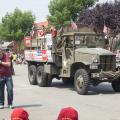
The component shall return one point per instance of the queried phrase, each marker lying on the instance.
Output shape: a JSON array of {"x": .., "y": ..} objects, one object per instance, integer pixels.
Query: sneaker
[
  {"x": 10, "y": 106},
  {"x": 1, "y": 106}
]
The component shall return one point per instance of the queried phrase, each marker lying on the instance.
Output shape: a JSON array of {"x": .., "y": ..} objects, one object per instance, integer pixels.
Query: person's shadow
[
  {"x": 103, "y": 88},
  {"x": 29, "y": 105}
]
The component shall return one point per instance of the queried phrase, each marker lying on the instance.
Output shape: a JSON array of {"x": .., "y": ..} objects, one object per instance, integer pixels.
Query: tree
[
  {"x": 14, "y": 25},
  {"x": 106, "y": 14},
  {"x": 62, "y": 11},
  {"x": 102, "y": 14}
]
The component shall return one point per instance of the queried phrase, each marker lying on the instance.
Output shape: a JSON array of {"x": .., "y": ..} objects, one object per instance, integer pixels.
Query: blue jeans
[{"x": 9, "y": 84}]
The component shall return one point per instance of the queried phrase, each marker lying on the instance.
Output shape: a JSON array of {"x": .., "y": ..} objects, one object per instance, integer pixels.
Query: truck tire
[
  {"x": 32, "y": 74},
  {"x": 116, "y": 85},
  {"x": 39, "y": 77},
  {"x": 49, "y": 80},
  {"x": 43, "y": 79},
  {"x": 46, "y": 80},
  {"x": 81, "y": 81}
]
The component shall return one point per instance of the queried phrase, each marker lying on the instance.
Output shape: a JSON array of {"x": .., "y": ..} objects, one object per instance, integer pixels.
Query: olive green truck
[{"x": 76, "y": 57}]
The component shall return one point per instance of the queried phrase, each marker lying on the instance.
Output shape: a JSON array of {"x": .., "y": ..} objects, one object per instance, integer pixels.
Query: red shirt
[{"x": 5, "y": 71}]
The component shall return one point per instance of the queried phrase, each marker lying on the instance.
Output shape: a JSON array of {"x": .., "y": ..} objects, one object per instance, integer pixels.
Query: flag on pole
[
  {"x": 106, "y": 30},
  {"x": 32, "y": 33},
  {"x": 73, "y": 25},
  {"x": 33, "y": 30},
  {"x": 60, "y": 31}
]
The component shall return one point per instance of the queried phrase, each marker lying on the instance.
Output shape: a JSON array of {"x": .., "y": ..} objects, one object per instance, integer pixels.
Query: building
[{"x": 40, "y": 24}]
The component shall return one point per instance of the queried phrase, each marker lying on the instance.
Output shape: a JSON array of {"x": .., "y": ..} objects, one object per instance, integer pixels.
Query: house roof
[{"x": 40, "y": 24}]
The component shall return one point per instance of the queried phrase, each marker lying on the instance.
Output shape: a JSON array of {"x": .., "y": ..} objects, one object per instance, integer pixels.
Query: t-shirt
[{"x": 5, "y": 71}]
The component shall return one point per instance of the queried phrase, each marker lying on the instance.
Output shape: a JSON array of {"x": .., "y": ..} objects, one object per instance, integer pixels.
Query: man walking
[{"x": 5, "y": 79}]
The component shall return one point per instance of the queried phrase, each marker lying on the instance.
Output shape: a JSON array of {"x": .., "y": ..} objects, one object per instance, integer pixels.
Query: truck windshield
[{"x": 89, "y": 41}]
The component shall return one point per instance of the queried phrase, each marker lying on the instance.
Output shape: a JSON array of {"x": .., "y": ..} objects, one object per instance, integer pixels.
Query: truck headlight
[
  {"x": 94, "y": 66},
  {"x": 95, "y": 60},
  {"x": 95, "y": 63}
]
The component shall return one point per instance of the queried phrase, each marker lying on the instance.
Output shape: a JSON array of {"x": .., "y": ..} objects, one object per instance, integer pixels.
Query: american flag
[
  {"x": 32, "y": 33},
  {"x": 73, "y": 25},
  {"x": 106, "y": 30}
]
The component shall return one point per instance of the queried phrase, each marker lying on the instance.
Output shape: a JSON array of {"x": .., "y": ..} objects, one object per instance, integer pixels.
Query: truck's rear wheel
[
  {"x": 32, "y": 74},
  {"x": 40, "y": 82},
  {"x": 49, "y": 80},
  {"x": 81, "y": 81},
  {"x": 46, "y": 80},
  {"x": 116, "y": 85},
  {"x": 43, "y": 79}
]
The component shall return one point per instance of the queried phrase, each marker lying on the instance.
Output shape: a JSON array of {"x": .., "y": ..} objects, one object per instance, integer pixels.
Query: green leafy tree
[
  {"x": 14, "y": 25},
  {"x": 62, "y": 11}
]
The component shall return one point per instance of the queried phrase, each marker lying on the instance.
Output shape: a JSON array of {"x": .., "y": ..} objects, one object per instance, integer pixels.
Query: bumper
[{"x": 106, "y": 75}]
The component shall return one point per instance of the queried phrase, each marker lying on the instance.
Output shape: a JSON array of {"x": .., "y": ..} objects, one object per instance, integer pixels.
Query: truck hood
[{"x": 98, "y": 51}]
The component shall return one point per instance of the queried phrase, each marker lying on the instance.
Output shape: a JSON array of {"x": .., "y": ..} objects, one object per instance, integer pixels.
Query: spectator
[
  {"x": 5, "y": 79},
  {"x": 12, "y": 67},
  {"x": 10, "y": 56},
  {"x": 19, "y": 114},
  {"x": 14, "y": 57},
  {"x": 68, "y": 113}
]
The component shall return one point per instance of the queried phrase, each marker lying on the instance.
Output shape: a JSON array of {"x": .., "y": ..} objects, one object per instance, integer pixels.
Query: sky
[{"x": 39, "y": 8}]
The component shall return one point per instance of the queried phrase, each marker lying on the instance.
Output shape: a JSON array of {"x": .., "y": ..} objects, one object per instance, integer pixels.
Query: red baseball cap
[
  {"x": 68, "y": 113},
  {"x": 19, "y": 114}
]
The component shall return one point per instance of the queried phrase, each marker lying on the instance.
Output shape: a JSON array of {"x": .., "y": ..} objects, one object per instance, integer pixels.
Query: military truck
[{"x": 77, "y": 57}]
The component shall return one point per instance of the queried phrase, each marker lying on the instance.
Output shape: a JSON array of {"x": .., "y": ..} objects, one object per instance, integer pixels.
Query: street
[{"x": 44, "y": 103}]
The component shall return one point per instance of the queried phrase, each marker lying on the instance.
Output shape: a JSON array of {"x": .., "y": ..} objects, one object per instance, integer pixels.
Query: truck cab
[{"x": 81, "y": 57}]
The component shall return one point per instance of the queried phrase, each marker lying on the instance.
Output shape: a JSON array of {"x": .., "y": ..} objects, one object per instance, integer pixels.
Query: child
[
  {"x": 19, "y": 114},
  {"x": 68, "y": 113}
]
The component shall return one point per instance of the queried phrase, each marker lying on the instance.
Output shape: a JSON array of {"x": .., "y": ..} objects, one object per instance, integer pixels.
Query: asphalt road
[{"x": 102, "y": 103}]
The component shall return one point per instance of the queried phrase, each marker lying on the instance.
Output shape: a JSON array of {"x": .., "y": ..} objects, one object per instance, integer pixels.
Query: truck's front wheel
[
  {"x": 32, "y": 74},
  {"x": 116, "y": 85},
  {"x": 81, "y": 81}
]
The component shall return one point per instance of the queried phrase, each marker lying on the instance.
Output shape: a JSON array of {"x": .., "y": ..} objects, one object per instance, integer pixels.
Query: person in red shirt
[{"x": 5, "y": 79}]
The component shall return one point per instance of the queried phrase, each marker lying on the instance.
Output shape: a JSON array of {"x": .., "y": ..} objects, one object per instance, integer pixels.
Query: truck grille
[{"x": 108, "y": 62}]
